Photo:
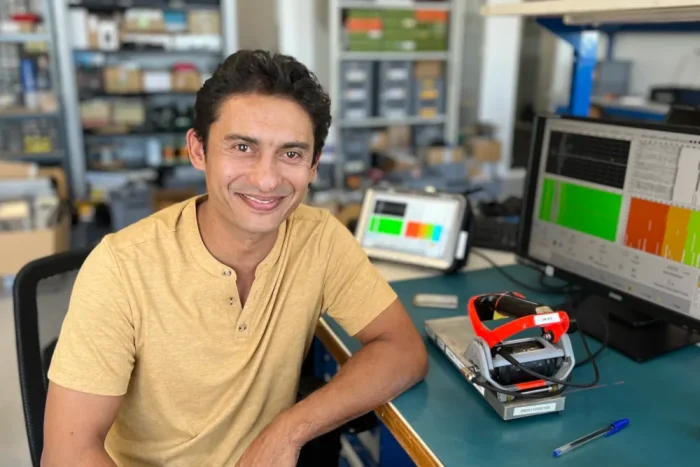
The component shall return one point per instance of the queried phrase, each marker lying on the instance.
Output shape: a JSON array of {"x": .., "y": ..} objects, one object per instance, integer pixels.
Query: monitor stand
[{"x": 636, "y": 335}]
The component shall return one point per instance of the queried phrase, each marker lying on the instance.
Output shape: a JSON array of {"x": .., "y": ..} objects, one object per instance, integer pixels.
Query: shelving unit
[
  {"x": 127, "y": 133},
  {"x": 579, "y": 22},
  {"x": 450, "y": 59},
  {"x": 31, "y": 110}
]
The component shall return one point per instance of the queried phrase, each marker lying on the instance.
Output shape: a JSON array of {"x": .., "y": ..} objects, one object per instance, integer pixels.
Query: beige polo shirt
[{"x": 156, "y": 318}]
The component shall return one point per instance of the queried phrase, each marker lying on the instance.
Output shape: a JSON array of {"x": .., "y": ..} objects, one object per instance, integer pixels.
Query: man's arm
[
  {"x": 75, "y": 427},
  {"x": 91, "y": 365},
  {"x": 393, "y": 358}
]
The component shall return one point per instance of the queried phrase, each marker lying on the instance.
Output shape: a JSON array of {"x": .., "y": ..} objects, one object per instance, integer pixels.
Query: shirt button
[
  {"x": 243, "y": 327},
  {"x": 227, "y": 273},
  {"x": 230, "y": 301}
]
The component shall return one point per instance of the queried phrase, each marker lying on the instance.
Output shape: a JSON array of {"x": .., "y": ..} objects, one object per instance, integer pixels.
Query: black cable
[
  {"x": 509, "y": 358},
  {"x": 564, "y": 384},
  {"x": 508, "y": 276},
  {"x": 603, "y": 345}
]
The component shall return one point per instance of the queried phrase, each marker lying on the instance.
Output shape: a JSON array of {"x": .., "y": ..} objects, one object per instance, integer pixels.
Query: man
[{"x": 186, "y": 331}]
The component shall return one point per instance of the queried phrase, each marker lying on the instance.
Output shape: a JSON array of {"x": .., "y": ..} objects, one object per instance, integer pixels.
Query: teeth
[{"x": 258, "y": 200}]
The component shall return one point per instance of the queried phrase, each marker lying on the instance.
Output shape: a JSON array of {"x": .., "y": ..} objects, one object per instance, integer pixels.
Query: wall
[
  {"x": 659, "y": 59},
  {"x": 257, "y": 24},
  {"x": 499, "y": 78}
]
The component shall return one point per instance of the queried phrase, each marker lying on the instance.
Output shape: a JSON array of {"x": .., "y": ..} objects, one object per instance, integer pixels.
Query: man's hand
[{"x": 274, "y": 447}]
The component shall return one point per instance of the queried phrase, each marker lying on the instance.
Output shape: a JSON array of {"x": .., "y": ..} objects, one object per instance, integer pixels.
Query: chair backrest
[{"x": 41, "y": 294}]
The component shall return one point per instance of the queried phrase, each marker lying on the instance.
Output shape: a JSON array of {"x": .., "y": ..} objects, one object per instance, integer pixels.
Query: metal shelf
[
  {"x": 395, "y": 55},
  {"x": 21, "y": 38},
  {"x": 381, "y": 121},
  {"x": 173, "y": 5},
  {"x": 27, "y": 115},
  {"x": 396, "y": 5},
  {"x": 45, "y": 157},
  {"x": 149, "y": 51}
]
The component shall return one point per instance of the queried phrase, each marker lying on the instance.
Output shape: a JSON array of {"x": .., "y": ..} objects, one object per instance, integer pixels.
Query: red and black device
[{"x": 514, "y": 366}]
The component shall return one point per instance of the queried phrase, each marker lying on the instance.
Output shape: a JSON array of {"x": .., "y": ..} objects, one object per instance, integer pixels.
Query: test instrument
[
  {"x": 519, "y": 376},
  {"x": 416, "y": 227}
]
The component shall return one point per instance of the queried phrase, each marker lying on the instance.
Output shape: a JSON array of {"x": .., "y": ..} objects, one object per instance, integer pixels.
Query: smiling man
[{"x": 186, "y": 331}]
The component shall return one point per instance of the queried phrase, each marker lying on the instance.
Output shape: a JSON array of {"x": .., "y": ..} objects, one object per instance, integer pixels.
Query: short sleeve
[
  {"x": 354, "y": 291},
  {"x": 95, "y": 352}
]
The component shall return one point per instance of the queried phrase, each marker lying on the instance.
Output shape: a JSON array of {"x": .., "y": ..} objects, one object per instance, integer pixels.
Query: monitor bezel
[
  {"x": 522, "y": 249},
  {"x": 444, "y": 263}
]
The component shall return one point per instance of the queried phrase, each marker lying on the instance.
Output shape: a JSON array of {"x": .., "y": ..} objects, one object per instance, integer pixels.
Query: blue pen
[{"x": 609, "y": 430}]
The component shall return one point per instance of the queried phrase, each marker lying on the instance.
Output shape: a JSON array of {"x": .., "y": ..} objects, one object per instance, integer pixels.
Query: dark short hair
[{"x": 273, "y": 74}]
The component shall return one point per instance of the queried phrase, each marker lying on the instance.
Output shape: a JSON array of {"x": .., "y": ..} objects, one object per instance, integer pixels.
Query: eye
[
  {"x": 292, "y": 154},
  {"x": 242, "y": 147}
]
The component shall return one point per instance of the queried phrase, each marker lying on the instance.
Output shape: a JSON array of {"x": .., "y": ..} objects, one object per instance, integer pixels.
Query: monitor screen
[
  {"x": 420, "y": 226},
  {"x": 620, "y": 205}
]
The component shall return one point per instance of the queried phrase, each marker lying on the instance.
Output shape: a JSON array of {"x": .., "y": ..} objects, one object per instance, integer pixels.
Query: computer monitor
[
  {"x": 615, "y": 208},
  {"x": 420, "y": 228}
]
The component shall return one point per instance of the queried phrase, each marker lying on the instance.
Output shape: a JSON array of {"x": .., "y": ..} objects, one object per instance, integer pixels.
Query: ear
[
  {"x": 196, "y": 150},
  {"x": 314, "y": 168}
]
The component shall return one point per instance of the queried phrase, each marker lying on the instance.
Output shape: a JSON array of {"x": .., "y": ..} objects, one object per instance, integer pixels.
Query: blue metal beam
[{"x": 585, "y": 43}]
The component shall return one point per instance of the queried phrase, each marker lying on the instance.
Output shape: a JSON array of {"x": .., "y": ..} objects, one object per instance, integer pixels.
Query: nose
[{"x": 265, "y": 174}]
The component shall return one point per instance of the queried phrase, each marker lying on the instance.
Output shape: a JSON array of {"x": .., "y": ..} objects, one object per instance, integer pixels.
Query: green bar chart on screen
[
  {"x": 386, "y": 225},
  {"x": 584, "y": 209}
]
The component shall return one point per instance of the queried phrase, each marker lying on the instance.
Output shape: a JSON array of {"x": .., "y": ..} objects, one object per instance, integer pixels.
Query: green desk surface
[{"x": 661, "y": 397}]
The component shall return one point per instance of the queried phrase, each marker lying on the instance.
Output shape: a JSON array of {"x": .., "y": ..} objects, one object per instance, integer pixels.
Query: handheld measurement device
[{"x": 420, "y": 228}]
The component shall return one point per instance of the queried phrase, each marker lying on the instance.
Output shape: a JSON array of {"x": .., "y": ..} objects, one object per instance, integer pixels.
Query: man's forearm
[{"x": 373, "y": 376}]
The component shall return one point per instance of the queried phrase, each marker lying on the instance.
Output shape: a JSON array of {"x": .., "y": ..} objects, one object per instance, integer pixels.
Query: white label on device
[
  {"x": 549, "y": 270},
  {"x": 441, "y": 344},
  {"x": 461, "y": 245},
  {"x": 546, "y": 318},
  {"x": 534, "y": 409},
  {"x": 454, "y": 358}
]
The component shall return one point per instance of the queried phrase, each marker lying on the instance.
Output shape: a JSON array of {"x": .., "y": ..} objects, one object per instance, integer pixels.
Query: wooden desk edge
[{"x": 387, "y": 413}]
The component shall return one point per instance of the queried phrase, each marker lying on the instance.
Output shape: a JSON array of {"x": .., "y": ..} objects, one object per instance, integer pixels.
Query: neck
[{"x": 239, "y": 250}]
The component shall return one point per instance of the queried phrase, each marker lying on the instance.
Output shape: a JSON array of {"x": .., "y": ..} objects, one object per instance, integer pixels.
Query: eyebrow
[{"x": 251, "y": 140}]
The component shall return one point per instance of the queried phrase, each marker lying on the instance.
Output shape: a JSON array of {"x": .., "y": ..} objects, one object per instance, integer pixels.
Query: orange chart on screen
[{"x": 667, "y": 231}]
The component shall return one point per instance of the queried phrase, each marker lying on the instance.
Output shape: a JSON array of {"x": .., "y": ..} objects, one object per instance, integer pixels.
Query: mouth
[{"x": 261, "y": 203}]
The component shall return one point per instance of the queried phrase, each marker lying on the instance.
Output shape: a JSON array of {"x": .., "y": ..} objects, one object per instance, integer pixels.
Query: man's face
[{"x": 258, "y": 162}]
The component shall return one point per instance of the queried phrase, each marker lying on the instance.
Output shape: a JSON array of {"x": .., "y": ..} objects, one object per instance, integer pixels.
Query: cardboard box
[
  {"x": 428, "y": 69},
  {"x": 18, "y": 248},
  {"x": 186, "y": 79},
  {"x": 204, "y": 22},
  {"x": 485, "y": 149},
  {"x": 122, "y": 80},
  {"x": 444, "y": 155}
]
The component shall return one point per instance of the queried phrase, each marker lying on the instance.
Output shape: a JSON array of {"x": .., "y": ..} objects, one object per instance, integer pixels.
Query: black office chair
[{"x": 41, "y": 294}]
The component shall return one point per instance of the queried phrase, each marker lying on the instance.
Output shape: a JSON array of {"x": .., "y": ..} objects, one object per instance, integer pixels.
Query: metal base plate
[{"x": 452, "y": 336}]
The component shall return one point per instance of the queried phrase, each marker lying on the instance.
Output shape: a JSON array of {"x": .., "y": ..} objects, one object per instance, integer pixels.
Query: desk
[{"x": 443, "y": 421}]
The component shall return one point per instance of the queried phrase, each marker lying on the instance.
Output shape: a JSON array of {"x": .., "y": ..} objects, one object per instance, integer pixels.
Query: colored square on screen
[
  {"x": 373, "y": 224},
  {"x": 423, "y": 230},
  {"x": 428, "y": 232},
  {"x": 390, "y": 226},
  {"x": 413, "y": 230},
  {"x": 437, "y": 230}
]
